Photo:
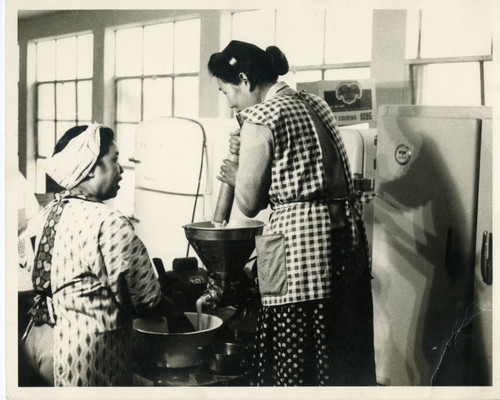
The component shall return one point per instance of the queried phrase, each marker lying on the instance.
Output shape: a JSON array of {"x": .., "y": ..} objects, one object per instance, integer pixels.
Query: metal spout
[{"x": 211, "y": 297}]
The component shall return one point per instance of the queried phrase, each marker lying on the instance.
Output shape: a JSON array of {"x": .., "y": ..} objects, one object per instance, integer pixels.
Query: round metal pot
[
  {"x": 225, "y": 358},
  {"x": 174, "y": 350}
]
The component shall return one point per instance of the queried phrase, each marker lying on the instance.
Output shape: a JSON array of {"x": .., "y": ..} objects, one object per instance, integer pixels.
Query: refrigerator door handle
[
  {"x": 487, "y": 258},
  {"x": 490, "y": 259}
]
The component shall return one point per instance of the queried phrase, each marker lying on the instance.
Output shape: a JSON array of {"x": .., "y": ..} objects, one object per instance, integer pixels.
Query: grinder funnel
[{"x": 224, "y": 251}]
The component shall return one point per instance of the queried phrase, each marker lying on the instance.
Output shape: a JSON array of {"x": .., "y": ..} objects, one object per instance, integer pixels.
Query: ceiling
[{"x": 34, "y": 13}]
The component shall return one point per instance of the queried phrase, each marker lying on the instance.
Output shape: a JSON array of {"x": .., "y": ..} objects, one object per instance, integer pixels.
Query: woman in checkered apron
[
  {"x": 92, "y": 274},
  {"x": 316, "y": 322}
]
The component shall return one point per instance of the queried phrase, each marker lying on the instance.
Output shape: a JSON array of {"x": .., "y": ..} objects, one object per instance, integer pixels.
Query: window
[
  {"x": 156, "y": 74},
  {"x": 450, "y": 66},
  {"x": 334, "y": 50},
  {"x": 63, "y": 93}
]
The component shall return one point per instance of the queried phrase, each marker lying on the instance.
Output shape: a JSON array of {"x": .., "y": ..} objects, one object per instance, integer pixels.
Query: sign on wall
[{"x": 352, "y": 101}]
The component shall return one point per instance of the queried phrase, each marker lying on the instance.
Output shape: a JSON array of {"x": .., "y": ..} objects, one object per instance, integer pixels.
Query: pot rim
[{"x": 218, "y": 320}]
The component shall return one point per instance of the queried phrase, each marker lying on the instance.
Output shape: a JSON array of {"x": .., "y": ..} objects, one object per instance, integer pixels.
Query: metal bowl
[
  {"x": 225, "y": 358},
  {"x": 174, "y": 350},
  {"x": 245, "y": 229}
]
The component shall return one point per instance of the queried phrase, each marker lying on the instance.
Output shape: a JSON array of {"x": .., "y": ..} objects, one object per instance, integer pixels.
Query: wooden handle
[
  {"x": 225, "y": 199},
  {"x": 224, "y": 203}
]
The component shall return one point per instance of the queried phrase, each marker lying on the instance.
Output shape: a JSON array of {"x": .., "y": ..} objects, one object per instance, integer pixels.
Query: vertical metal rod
[{"x": 482, "y": 83}]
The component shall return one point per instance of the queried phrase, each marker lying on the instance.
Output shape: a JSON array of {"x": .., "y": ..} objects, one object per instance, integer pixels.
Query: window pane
[
  {"x": 84, "y": 100},
  {"x": 468, "y": 31},
  {"x": 125, "y": 139},
  {"x": 66, "y": 58},
  {"x": 157, "y": 98},
  {"x": 128, "y": 61},
  {"x": 158, "y": 49},
  {"x": 85, "y": 56},
  {"x": 46, "y": 138},
  {"x": 46, "y": 101},
  {"x": 186, "y": 97},
  {"x": 303, "y": 76},
  {"x": 187, "y": 46},
  {"x": 412, "y": 28},
  {"x": 292, "y": 29},
  {"x": 128, "y": 100},
  {"x": 347, "y": 73},
  {"x": 66, "y": 100},
  {"x": 348, "y": 40},
  {"x": 255, "y": 27},
  {"x": 46, "y": 61},
  {"x": 488, "y": 83},
  {"x": 62, "y": 127},
  {"x": 450, "y": 85}
]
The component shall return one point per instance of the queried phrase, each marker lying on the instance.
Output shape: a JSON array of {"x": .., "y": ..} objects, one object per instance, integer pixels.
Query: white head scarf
[{"x": 74, "y": 162}]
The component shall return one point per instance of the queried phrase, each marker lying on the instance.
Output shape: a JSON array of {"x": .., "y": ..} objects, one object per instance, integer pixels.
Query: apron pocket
[{"x": 271, "y": 264}]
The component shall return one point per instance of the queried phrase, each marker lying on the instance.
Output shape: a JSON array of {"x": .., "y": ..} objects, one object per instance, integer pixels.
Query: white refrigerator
[{"x": 432, "y": 307}]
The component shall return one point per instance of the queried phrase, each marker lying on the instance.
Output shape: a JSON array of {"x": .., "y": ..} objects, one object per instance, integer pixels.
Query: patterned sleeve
[{"x": 130, "y": 273}]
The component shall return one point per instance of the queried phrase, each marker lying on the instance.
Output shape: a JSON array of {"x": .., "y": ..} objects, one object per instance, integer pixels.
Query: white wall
[{"x": 388, "y": 67}]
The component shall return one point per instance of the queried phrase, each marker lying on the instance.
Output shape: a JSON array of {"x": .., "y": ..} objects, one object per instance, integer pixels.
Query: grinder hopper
[{"x": 224, "y": 251}]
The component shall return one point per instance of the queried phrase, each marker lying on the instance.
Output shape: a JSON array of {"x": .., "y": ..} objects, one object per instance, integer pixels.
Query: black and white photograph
[{"x": 249, "y": 199}]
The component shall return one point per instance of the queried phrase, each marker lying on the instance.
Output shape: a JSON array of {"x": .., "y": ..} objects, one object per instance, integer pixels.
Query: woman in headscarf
[
  {"x": 316, "y": 323},
  {"x": 92, "y": 274}
]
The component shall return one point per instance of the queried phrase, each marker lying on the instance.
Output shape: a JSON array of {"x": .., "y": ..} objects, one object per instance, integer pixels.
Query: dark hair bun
[{"x": 278, "y": 60}]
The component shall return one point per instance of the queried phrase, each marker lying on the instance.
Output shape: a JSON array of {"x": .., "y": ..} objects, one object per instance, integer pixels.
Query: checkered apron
[{"x": 297, "y": 193}]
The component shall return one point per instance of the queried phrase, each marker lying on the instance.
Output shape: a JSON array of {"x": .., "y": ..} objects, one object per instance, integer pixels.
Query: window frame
[
  {"x": 413, "y": 63},
  {"x": 323, "y": 67},
  {"x": 48, "y": 184},
  {"x": 129, "y": 164},
  {"x": 174, "y": 75}
]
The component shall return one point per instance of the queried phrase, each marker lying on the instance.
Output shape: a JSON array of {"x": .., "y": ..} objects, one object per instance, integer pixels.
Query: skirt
[
  {"x": 83, "y": 358},
  {"x": 326, "y": 342}
]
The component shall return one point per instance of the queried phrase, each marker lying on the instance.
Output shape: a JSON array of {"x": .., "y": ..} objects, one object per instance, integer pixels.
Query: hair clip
[{"x": 233, "y": 61}]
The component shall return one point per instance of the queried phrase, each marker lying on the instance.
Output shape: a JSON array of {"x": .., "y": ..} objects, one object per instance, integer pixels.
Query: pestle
[{"x": 225, "y": 199}]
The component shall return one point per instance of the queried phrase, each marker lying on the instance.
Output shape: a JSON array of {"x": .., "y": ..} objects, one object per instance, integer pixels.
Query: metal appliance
[
  {"x": 225, "y": 251},
  {"x": 432, "y": 286},
  {"x": 165, "y": 179}
]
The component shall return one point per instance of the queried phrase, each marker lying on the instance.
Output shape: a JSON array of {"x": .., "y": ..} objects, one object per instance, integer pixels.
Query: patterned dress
[
  {"x": 316, "y": 323},
  {"x": 100, "y": 275}
]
